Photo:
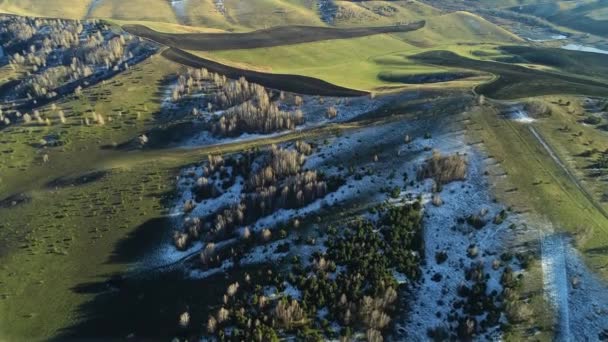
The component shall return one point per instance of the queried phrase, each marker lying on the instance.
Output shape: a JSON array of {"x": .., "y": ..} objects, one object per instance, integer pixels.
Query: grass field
[
  {"x": 292, "y": 83},
  {"x": 353, "y": 63},
  {"x": 416, "y": 54},
  {"x": 536, "y": 184},
  {"x": 335, "y": 61},
  {"x": 239, "y": 15},
  {"x": 42, "y": 261},
  {"x": 514, "y": 81}
]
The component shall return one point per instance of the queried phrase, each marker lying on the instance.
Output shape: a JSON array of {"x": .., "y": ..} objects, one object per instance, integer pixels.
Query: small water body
[{"x": 577, "y": 47}]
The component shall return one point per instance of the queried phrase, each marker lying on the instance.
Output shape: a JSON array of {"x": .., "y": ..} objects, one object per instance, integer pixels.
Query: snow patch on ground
[
  {"x": 327, "y": 10},
  {"x": 577, "y": 47},
  {"x": 314, "y": 109},
  {"x": 442, "y": 233},
  {"x": 579, "y": 297},
  {"x": 522, "y": 116},
  {"x": 179, "y": 8}
]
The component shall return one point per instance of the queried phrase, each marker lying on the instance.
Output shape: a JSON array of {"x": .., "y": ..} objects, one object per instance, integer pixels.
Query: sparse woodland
[
  {"x": 270, "y": 181},
  {"x": 352, "y": 283},
  {"x": 243, "y": 107},
  {"x": 56, "y": 52}
]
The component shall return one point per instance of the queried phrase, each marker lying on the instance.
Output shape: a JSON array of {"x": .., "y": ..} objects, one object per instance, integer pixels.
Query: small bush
[{"x": 444, "y": 169}]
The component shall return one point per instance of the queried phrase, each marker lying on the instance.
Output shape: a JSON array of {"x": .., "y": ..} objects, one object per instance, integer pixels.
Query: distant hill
[
  {"x": 240, "y": 15},
  {"x": 585, "y": 16}
]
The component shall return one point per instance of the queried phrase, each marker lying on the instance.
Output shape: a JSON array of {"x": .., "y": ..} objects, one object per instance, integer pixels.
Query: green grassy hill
[
  {"x": 459, "y": 27},
  {"x": 233, "y": 15},
  {"x": 66, "y": 9},
  {"x": 359, "y": 63},
  {"x": 149, "y": 10}
]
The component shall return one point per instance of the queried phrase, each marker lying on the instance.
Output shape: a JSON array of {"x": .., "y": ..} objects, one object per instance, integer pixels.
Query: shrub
[{"x": 443, "y": 169}]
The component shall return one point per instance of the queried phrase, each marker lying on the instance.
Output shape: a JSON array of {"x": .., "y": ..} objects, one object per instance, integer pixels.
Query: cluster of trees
[
  {"x": 18, "y": 32},
  {"x": 478, "y": 310},
  {"x": 281, "y": 183},
  {"x": 363, "y": 294},
  {"x": 278, "y": 181},
  {"x": 236, "y": 92},
  {"x": 195, "y": 79},
  {"x": 217, "y": 174},
  {"x": 255, "y": 113},
  {"x": 57, "y": 51},
  {"x": 43, "y": 84},
  {"x": 360, "y": 297},
  {"x": 249, "y": 107},
  {"x": 444, "y": 169}
]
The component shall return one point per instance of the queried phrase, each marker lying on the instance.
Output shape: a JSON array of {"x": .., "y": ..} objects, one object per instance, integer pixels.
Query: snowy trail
[
  {"x": 555, "y": 281},
  {"x": 587, "y": 302},
  {"x": 179, "y": 8},
  {"x": 94, "y": 4},
  {"x": 578, "y": 296}
]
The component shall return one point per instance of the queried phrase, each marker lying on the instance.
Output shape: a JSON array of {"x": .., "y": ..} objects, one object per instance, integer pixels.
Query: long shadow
[
  {"x": 598, "y": 250},
  {"x": 516, "y": 81},
  {"x": 142, "y": 304},
  {"x": 291, "y": 83},
  {"x": 146, "y": 304},
  {"x": 140, "y": 241},
  {"x": 275, "y": 36},
  {"x": 144, "y": 307}
]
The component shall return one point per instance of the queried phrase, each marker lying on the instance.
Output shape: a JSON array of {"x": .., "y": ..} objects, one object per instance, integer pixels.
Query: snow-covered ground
[
  {"x": 443, "y": 233},
  {"x": 314, "y": 110},
  {"x": 577, "y": 47},
  {"x": 326, "y": 157},
  {"x": 327, "y": 10},
  {"x": 520, "y": 115},
  {"x": 582, "y": 310},
  {"x": 579, "y": 298},
  {"x": 179, "y": 8}
]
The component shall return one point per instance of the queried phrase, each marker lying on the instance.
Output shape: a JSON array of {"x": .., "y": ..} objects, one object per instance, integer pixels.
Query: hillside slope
[{"x": 459, "y": 27}]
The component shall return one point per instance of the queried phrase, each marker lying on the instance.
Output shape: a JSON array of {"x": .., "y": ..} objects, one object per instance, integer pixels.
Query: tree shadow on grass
[
  {"x": 598, "y": 250},
  {"x": 144, "y": 307},
  {"x": 142, "y": 304},
  {"x": 140, "y": 241}
]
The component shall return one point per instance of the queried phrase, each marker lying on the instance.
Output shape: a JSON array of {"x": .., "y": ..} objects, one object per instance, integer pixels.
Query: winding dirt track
[
  {"x": 276, "y": 36},
  {"x": 291, "y": 83}
]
